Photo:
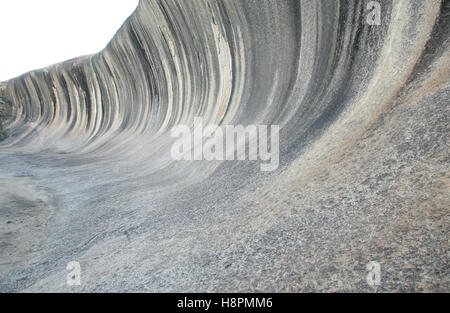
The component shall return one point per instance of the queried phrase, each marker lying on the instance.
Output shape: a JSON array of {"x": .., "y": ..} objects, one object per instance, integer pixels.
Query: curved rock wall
[{"x": 363, "y": 175}]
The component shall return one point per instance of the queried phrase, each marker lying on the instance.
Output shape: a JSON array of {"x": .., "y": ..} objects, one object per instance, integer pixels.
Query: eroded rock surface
[{"x": 363, "y": 176}]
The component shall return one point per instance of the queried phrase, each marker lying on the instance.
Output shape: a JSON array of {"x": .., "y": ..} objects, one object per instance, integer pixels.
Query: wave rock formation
[{"x": 86, "y": 173}]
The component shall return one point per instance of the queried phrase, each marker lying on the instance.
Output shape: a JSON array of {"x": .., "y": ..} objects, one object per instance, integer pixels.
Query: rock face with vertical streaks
[{"x": 86, "y": 172}]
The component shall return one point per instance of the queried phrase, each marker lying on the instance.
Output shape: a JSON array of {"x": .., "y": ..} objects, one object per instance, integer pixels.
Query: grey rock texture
[{"x": 86, "y": 173}]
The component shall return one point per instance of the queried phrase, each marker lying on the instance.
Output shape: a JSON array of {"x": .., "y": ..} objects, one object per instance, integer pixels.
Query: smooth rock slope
[{"x": 86, "y": 172}]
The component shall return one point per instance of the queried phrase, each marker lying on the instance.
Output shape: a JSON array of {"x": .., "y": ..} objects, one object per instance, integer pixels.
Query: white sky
[{"x": 38, "y": 33}]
